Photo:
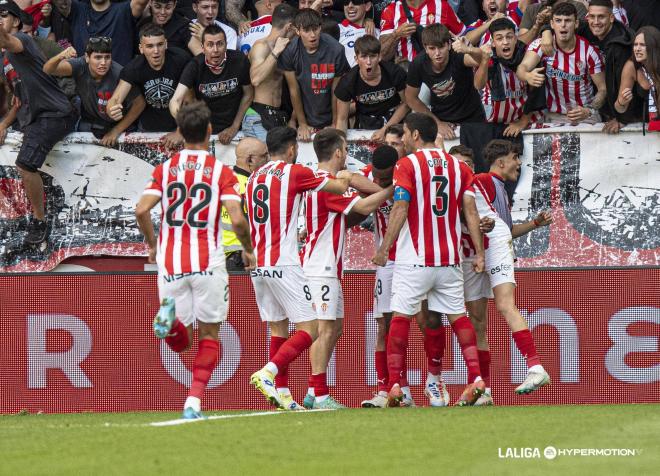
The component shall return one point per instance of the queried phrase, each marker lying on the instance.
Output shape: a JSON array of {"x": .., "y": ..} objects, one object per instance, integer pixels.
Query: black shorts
[{"x": 39, "y": 137}]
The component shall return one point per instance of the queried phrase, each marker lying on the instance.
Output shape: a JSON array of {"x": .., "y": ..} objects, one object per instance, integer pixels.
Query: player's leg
[
  {"x": 327, "y": 301},
  {"x": 499, "y": 257},
  {"x": 478, "y": 313},
  {"x": 210, "y": 303},
  {"x": 379, "y": 399},
  {"x": 279, "y": 333},
  {"x": 434, "y": 347},
  {"x": 289, "y": 289},
  {"x": 447, "y": 297},
  {"x": 505, "y": 302},
  {"x": 174, "y": 319},
  {"x": 409, "y": 286}
]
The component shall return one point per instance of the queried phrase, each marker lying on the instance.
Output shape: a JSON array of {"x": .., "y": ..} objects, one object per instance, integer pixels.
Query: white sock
[
  {"x": 310, "y": 391},
  {"x": 194, "y": 403},
  {"x": 406, "y": 392},
  {"x": 536, "y": 368},
  {"x": 432, "y": 378},
  {"x": 271, "y": 367},
  {"x": 321, "y": 398},
  {"x": 284, "y": 390}
]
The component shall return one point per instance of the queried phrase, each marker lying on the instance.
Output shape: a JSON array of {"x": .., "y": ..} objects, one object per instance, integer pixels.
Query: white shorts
[
  {"x": 383, "y": 290},
  {"x": 282, "y": 292},
  {"x": 441, "y": 285},
  {"x": 498, "y": 270},
  {"x": 327, "y": 297},
  {"x": 202, "y": 296}
]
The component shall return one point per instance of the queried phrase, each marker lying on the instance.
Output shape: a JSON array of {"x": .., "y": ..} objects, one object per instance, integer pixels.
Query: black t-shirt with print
[
  {"x": 221, "y": 92},
  {"x": 374, "y": 104},
  {"x": 157, "y": 87},
  {"x": 453, "y": 96}
]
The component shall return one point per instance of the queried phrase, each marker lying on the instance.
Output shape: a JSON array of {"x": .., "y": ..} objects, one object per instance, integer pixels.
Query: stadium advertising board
[
  {"x": 86, "y": 344},
  {"x": 603, "y": 191}
]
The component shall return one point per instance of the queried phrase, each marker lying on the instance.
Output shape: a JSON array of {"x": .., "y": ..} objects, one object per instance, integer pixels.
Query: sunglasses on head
[
  {"x": 101, "y": 40},
  {"x": 354, "y": 2}
]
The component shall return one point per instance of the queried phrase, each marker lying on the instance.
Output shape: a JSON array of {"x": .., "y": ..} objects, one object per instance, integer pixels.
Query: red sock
[
  {"x": 177, "y": 339},
  {"x": 320, "y": 384},
  {"x": 381, "y": 370},
  {"x": 205, "y": 361},
  {"x": 397, "y": 345},
  {"x": 467, "y": 339},
  {"x": 292, "y": 348},
  {"x": 434, "y": 346},
  {"x": 484, "y": 365},
  {"x": 282, "y": 377},
  {"x": 525, "y": 343}
]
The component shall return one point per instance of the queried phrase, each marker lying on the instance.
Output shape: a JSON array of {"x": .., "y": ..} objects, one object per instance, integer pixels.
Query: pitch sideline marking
[{"x": 181, "y": 421}]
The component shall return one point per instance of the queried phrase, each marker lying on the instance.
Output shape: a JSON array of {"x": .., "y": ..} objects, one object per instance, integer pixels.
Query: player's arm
[
  {"x": 242, "y": 229},
  {"x": 398, "y": 216},
  {"x": 115, "y": 108},
  {"x": 143, "y": 216},
  {"x": 368, "y": 205},
  {"x": 338, "y": 185},
  {"x": 528, "y": 72},
  {"x": 473, "y": 223},
  {"x": 542, "y": 219},
  {"x": 363, "y": 185}
]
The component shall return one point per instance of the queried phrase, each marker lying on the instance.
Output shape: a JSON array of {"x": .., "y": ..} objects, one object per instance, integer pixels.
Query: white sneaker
[
  {"x": 378, "y": 401},
  {"x": 486, "y": 400},
  {"x": 533, "y": 381},
  {"x": 437, "y": 393}
]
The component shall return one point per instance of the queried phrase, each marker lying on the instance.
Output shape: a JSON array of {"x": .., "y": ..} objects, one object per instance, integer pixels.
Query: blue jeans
[{"x": 252, "y": 127}]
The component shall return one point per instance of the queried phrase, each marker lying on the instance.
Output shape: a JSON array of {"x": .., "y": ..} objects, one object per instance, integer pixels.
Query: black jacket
[{"x": 616, "y": 49}]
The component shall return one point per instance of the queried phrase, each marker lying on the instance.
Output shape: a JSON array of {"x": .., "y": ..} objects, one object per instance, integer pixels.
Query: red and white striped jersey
[
  {"x": 514, "y": 12},
  {"x": 381, "y": 216},
  {"x": 273, "y": 197},
  {"x": 510, "y": 109},
  {"x": 325, "y": 221},
  {"x": 436, "y": 182},
  {"x": 428, "y": 13},
  {"x": 349, "y": 33},
  {"x": 568, "y": 81},
  {"x": 191, "y": 185},
  {"x": 259, "y": 28},
  {"x": 489, "y": 194}
]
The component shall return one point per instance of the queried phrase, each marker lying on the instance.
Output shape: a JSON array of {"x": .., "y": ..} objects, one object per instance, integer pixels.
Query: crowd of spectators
[{"x": 494, "y": 67}]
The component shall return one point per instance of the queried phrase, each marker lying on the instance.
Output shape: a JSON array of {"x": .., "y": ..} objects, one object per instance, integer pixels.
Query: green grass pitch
[{"x": 419, "y": 441}]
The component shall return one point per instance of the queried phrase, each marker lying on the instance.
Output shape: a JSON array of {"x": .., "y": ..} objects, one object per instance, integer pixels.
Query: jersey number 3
[
  {"x": 181, "y": 192},
  {"x": 441, "y": 196}
]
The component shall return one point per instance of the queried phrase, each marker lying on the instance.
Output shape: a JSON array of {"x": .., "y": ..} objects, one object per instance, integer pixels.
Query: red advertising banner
[{"x": 83, "y": 342}]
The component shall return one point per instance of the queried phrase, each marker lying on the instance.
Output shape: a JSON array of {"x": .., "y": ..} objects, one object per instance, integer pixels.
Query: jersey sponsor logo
[
  {"x": 264, "y": 273},
  {"x": 376, "y": 97},
  {"x": 158, "y": 92},
  {"x": 175, "y": 277},
  {"x": 444, "y": 88},
  {"x": 221, "y": 88},
  {"x": 322, "y": 75},
  {"x": 551, "y": 72}
]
